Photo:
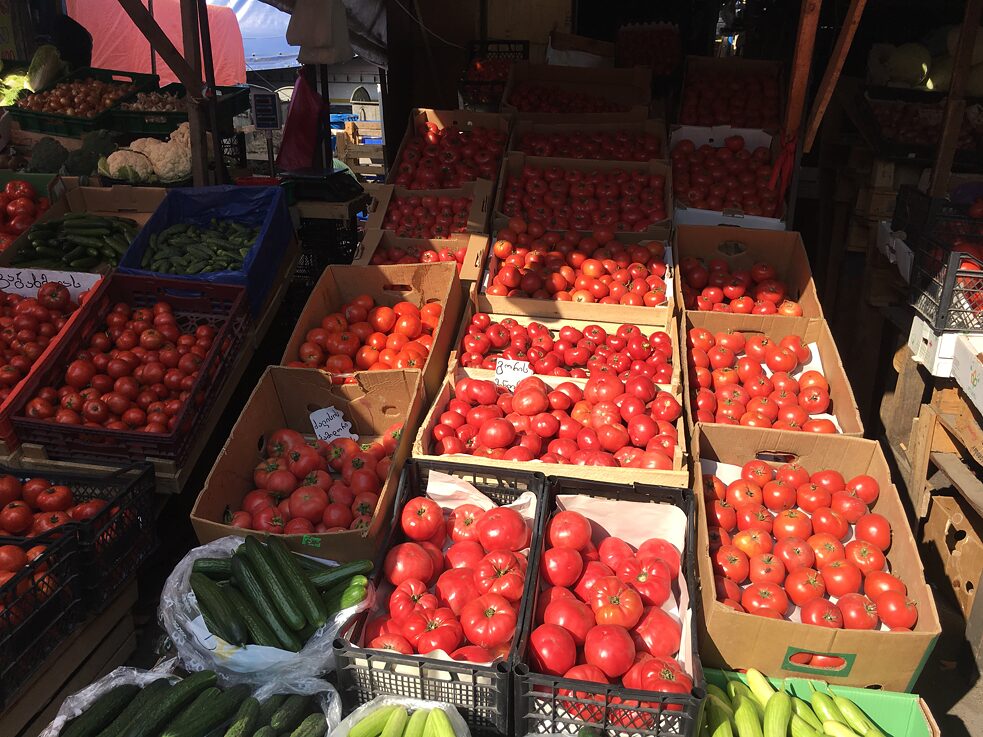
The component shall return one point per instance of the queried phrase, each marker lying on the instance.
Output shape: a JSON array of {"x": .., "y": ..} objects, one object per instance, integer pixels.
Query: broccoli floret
[
  {"x": 47, "y": 156},
  {"x": 100, "y": 142},
  {"x": 82, "y": 162}
]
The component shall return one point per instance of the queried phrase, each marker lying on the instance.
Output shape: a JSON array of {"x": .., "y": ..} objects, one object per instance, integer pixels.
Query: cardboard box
[
  {"x": 419, "y": 284},
  {"x": 955, "y": 530},
  {"x": 653, "y": 126},
  {"x": 631, "y": 88},
  {"x": 967, "y": 367},
  {"x": 932, "y": 350},
  {"x": 137, "y": 203},
  {"x": 515, "y": 161},
  {"x": 741, "y": 248},
  {"x": 569, "y": 49},
  {"x": 715, "y": 136},
  {"x": 811, "y": 330},
  {"x": 423, "y": 446},
  {"x": 456, "y": 119},
  {"x": 285, "y": 397},
  {"x": 873, "y": 659},
  {"x": 478, "y": 191},
  {"x": 522, "y": 20},
  {"x": 469, "y": 271},
  {"x": 659, "y": 316}
]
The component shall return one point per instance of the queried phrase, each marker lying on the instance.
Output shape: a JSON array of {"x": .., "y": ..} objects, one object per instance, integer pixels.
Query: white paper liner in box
[
  {"x": 451, "y": 492},
  {"x": 636, "y": 522},
  {"x": 730, "y": 472},
  {"x": 199, "y": 649},
  {"x": 458, "y": 724}
]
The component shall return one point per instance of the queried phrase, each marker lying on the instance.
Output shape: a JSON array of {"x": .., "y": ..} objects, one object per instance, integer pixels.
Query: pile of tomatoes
[
  {"x": 35, "y": 582},
  {"x": 311, "y": 485},
  {"x": 784, "y": 542},
  {"x": 729, "y": 176},
  {"x": 369, "y": 337},
  {"x": 448, "y": 157},
  {"x": 35, "y": 506},
  {"x": 569, "y": 351},
  {"x": 457, "y": 584},
  {"x": 535, "y": 98},
  {"x": 27, "y": 326},
  {"x": 738, "y": 99},
  {"x": 573, "y": 267},
  {"x": 427, "y": 216},
  {"x": 484, "y": 81},
  {"x": 755, "y": 291},
  {"x": 137, "y": 373},
  {"x": 650, "y": 45},
  {"x": 751, "y": 380},
  {"x": 412, "y": 254},
  {"x": 600, "y": 614},
  {"x": 610, "y": 145},
  {"x": 556, "y": 198},
  {"x": 607, "y": 422},
  {"x": 20, "y": 206}
]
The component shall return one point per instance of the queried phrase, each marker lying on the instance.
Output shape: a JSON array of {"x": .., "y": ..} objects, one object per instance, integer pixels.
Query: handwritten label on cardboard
[
  {"x": 329, "y": 424},
  {"x": 26, "y": 282},
  {"x": 509, "y": 373}
]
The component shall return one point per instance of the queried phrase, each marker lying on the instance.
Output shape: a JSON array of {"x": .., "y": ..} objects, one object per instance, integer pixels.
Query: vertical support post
[
  {"x": 801, "y": 65},
  {"x": 192, "y": 52},
  {"x": 221, "y": 175}
]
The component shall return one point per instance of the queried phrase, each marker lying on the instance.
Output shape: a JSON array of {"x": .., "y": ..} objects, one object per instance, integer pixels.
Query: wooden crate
[{"x": 364, "y": 159}]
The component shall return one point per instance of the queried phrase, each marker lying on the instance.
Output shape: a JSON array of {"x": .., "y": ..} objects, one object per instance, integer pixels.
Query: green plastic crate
[
  {"x": 896, "y": 714},
  {"x": 232, "y": 100}
]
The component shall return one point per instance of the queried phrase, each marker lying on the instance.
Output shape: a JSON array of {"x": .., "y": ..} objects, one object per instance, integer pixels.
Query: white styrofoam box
[
  {"x": 932, "y": 350},
  {"x": 892, "y": 245},
  {"x": 967, "y": 369},
  {"x": 885, "y": 240},
  {"x": 903, "y": 257}
]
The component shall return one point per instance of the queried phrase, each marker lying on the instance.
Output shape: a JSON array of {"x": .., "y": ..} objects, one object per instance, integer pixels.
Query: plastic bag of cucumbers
[
  {"x": 401, "y": 717},
  {"x": 252, "y": 610}
]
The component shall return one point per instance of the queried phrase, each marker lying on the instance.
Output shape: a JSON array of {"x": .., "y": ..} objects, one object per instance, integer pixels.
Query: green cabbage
[{"x": 46, "y": 67}]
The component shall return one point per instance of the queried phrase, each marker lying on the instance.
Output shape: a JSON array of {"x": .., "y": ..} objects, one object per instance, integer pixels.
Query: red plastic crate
[{"x": 223, "y": 306}]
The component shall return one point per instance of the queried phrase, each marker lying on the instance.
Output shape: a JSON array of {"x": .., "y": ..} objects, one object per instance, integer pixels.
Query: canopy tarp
[{"x": 264, "y": 31}]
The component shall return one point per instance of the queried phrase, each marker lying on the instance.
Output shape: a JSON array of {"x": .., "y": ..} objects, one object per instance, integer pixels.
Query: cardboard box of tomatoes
[
  {"x": 296, "y": 399},
  {"x": 851, "y": 642},
  {"x": 467, "y": 209},
  {"x": 383, "y": 247},
  {"x": 388, "y": 286},
  {"x": 720, "y": 385},
  {"x": 543, "y": 93},
  {"x": 775, "y": 262},
  {"x": 716, "y": 91},
  {"x": 616, "y": 141}
]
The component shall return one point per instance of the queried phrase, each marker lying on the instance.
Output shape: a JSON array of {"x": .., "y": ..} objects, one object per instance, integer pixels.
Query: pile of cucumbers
[
  {"x": 396, "y": 721},
  {"x": 191, "y": 249},
  {"x": 196, "y": 707},
  {"x": 266, "y": 595},
  {"x": 76, "y": 241}
]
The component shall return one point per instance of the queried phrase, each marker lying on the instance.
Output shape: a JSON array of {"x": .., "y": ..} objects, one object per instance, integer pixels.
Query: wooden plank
[
  {"x": 801, "y": 65},
  {"x": 159, "y": 41},
  {"x": 963, "y": 478},
  {"x": 974, "y": 629},
  {"x": 920, "y": 449}
]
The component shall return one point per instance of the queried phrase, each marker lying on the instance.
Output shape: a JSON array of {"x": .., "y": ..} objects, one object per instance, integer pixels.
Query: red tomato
[
  {"x": 803, "y": 585},
  {"x": 610, "y": 648},
  {"x": 649, "y": 576},
  {"x": 408, "y": 596},
  {"x": 612, "y": 550},
  {"x": 766, "y": 568},
  {"x": 822, "y": 613},
  {"x": 614, "y": 602},
  {"x": 865, "y": 487},
  {"x": 657, "y": 633},
  {"x": 865, "y": 555},
  {"x": 572, "y": 615},
  {"x": 16, "y": 517},
  {"x": 765, "y": 596},
  {"x": 405, "y": 561},
  {"x": 455, "y": 588},
  {"x": 875, "y": 529},
  {"x": 464, "y": 554},
  {"x": 562, "y": 566},
  {"x": 433, "y": 629},
  {"x": 488, "y": 620},
  {"x": 859, "y": 612},
  {"x": 732, "y": 563},
  {"x": 392, "y": 642},
  {"x": 552, "y": 649},
  {"x": 568, "y": 530},
  {"x": 877, "y": 582},
  {"x": 896, "y": 610},
  {"x": 841, "y": 577},
  {"x": 462, "y": 523},
  {"x": 795, "y": 553},
  {"x": 421, "y": 518},
  {"x": 501, "y": 572},
  {"x": 502, "y": 528}
]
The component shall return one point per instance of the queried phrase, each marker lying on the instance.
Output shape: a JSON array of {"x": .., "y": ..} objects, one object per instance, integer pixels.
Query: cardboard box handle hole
[
  {"x": 390, "y": 410},
  {"x": 830, "y": 663},
  {"x": 732, "y": 248},
  {"x": 953, "y": 537},
  {"x": 776, "y": 456},
  {"x": 398, "y": 288}
]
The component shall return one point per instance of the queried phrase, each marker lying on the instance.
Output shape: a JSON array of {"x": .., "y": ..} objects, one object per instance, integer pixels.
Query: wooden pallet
[
  {"x": 365, "y": 159},
  {"x": 99, "y": 646}
]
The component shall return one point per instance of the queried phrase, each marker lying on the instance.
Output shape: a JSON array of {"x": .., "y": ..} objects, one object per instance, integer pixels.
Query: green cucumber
[
  {"x": 212, "y": 708},
  {"x": 372, "y": 724},
  {"x": 102, "y": 713},
  {"x": 157, "y": 715},
  {"x": 259, "y": 632},
  {"x": 245, "y": 720},
  {"x": 262, "y": 561},
  {"x": 326, "y": 577},
  {"x": 248, "y": 583},
  {"x": 150, "y": 695},
  {"x": 300, "y": 585},
  {"x": 288, "y": 716},
  {"x": 266, "y": 731},
  {"x": 314, "y": 725},
  {"x": 217, "y": 568},
  {"x": 214, "y": 601},
  {"x": 269, "y": 707},
  {"x": 354, "y": 594}
]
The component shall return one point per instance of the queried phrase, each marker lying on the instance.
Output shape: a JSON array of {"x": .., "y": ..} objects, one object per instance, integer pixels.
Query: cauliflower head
[
  {"x": 144, "y": 145},
  {"x": 132, "y": 166},
  {"x": 182, "y": 135},
  {"x": 171, "y": 161}
]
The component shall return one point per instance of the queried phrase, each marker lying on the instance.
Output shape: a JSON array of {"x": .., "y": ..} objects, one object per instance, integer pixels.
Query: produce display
[
  {"x": 427, "y": 216},
  {"x": 417, "y": 255},
  {"x": 155, "y": 102},
  {"x": 266, "y": 595},
  {"x": 558, "y": 198},
  {"x": 750, "y": 379},
  {"x": 195, "y": 706},
  {"x": 76, "y": 242},
  {"x": 714, "y": 287},
  {"x": 757, "y": 707},
  {"x": 611, "y": 145},
  {"x": 655, "y": 45},
  {"x": 577, "y": 268},
  {"x": 370, "y": 337},
  {"x": 150, "y": 160},
  {"x": 191, "y": 249},
  {"x": 787, "y": 543},
  {"x": 82, "y": 98},
  {"x": 568, "y": 351},
  {"x": 483, "y": 82},
  {"x": 36, "y": 506},
  {"x": 296, "y": 493},
  {"x": 602, "y": 614},
  {"x": 920, "y": 123},
  {"x": 20, "y": 206},
  {"x": 438, "y": 157},
  {"x": 605, "y": 422},
  {"x": 396, "y": 721},
  {"x": 729, "y": 176},
  {"x": 13, "y": 560},
  {"x": 746, "y": 99},
  {"x": 535, "y": 98},
  {"x": 48, "y": 155}
]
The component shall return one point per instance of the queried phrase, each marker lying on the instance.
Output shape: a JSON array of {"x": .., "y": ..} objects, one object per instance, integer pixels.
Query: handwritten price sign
[
  {"x": 26, "y": 282},
  {"x": 509, "y": 373},
  {"x": 329, "y": 424}
]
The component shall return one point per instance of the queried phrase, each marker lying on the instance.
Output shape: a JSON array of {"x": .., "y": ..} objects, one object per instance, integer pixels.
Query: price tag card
[
  {"x": 509, "y": 373},
  {"x": 330, "y": 424},
  {"x": 26, "y": 282}
]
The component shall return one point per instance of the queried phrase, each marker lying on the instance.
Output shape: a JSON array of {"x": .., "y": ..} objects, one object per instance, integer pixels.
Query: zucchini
[
  {"x": 102, "y": 713},
  {"x": 262, "y": 561},
  {"x": 259, "y": 632},
  {"x": 151, "y": 694},
  {"x": 248, "y": 583},
  {"x": 300, "y": 585},
  {"x": 288, "y": 716},
  {"x": 217, "y": 605},
  {"x": 245, "y": 720},
  {"x": 314, "y": 725},
  {"x": 157, "y": 715},
  {"x": 217, "y": 568},
  {"x": 326, "y": 577}
]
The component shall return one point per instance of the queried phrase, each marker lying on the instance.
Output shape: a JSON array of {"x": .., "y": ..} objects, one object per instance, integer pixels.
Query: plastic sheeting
[
  {"x": 264, "y": 31},
  {"x": 118, "y": 44}
]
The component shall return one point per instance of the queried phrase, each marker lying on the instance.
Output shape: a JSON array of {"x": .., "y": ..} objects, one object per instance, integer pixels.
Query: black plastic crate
[
  {"x": 232, "y": 100},
  {"x": 39, "y": 608},
  {"x": 482, "y": 693},
  {"x": 947, "y": 284},
  {"x": 916, "y": 213},
  {"x": 546, "y": 704}
]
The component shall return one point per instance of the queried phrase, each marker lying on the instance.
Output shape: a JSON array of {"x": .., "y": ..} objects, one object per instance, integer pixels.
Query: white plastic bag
[
  {"x": 199, "y": 649},
  {"x": 411, "y": 705},
  {"x": 79, "y": 701}
]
